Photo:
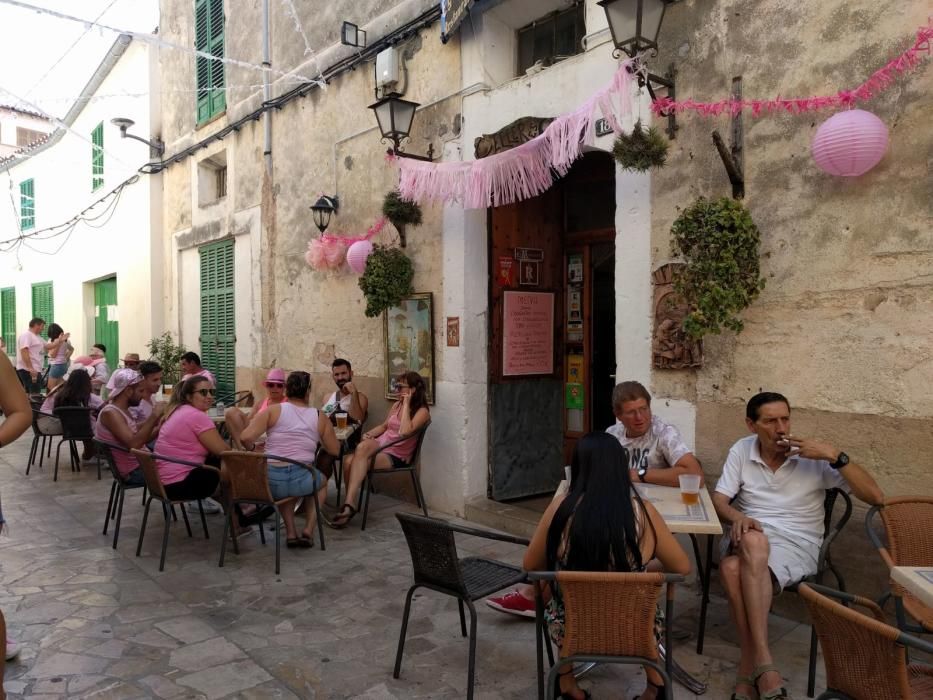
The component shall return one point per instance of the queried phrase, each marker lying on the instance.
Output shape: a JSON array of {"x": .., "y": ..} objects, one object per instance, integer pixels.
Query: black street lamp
[
  {"x": 635, "y": 25},
  {"x": 122, "y": 123},
  {"x": 322, "y": 210},
  {"x": 395, "y": 117}
]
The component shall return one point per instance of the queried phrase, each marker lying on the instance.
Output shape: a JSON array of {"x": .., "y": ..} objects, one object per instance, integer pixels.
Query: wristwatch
[
  {"x": 841, "y": 461},
  {"x": 641, "y": 473}
]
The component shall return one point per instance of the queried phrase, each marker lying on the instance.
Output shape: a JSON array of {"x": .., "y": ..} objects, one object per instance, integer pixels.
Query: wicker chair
[
  {"x": 412, "y": 469},
  {"x": 246, "y": 478},
  {"x": 864, "y": 656},
  {"x": 40, "y": 436},
  {"x": 157, "y": 492},
  {"x": 76, "y": 426},
  {"x": 608, "y": 618},
  {"x": 908, "y": 525},
  {"x": 438, "y": 567},
  {"x": 117, "y": 489}
]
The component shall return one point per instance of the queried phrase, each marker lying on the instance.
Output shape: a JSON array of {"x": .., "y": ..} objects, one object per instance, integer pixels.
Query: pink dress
[{"x": 406, "y": 448}]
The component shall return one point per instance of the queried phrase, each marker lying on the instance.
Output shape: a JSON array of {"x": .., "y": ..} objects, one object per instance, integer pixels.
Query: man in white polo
[{"x": 772, "y": 490}]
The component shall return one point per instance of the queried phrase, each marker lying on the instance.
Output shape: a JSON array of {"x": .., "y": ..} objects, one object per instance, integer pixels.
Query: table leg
[{"x": 704, "y": 604}]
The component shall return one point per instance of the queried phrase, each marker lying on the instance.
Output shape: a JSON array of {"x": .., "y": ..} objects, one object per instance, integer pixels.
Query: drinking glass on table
[
  {"x": 690, "y": 488},
  {"x": 341, "y": 419}
]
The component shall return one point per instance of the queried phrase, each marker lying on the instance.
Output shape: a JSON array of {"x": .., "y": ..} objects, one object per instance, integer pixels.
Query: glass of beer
[
  {"x": 341, "y": 418},
  {"x": 690, "y": 488}
]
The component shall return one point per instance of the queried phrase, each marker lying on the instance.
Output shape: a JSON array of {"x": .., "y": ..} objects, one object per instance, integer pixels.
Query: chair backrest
[
  {"x": 609, "y": 613},
  {"x": 433, "y": 553},
  {"x": 908, "y": 524},
  {"x": 106, "y": 450},
  {"x": 421, "y": 432},
  {"x": 150, "y": 473},
  {"x": 76, "y": 422},
  {"x": 860, "y": 652},
  {"x": 246, "y": 475}
]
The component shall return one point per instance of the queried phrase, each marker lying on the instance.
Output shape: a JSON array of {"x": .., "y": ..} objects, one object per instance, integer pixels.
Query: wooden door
[
  {"x": 106, "y": 325},
  {"x": 218, "y": 332}
]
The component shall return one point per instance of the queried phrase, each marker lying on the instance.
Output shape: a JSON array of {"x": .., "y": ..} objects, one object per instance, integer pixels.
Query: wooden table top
[
  {"x": 699, "y": 519},
  {"x": 916, "y": 579}
]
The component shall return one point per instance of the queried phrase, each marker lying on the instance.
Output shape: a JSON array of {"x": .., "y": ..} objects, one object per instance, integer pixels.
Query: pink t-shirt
[
  {"x": 124, "y": 460},
  {"x": 34, "y": 344},
  {"x": 178, "y": 437}
]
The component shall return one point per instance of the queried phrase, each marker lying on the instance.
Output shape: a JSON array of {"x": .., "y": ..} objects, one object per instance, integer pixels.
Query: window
[
  {"x": 97, "y": 157},
  {"x": 212, "y": 179},
  {"x": 8, "y": 318},
  {"x": 552, "y": 38},
  {"x": 209, "y": 38},
  {"x": 43, "y": 304},
  {"x": 218, "y": 333},
  {"x": 24, "y": 137},
  {"x": 27, "y": 205},
  {"x": 221, "y": 182}
]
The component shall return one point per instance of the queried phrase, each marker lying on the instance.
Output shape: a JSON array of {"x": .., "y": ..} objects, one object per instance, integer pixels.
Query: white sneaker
[
  {"x": 211, "y": 507},
  {"x": 12, "y": 649}
]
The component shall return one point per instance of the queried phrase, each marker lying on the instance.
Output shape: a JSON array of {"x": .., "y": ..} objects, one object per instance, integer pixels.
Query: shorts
[
  {"x": 134, "y": 478},
  {"x": 790, "y": 560},
  {"x": 292, "y": 481},
  {"x": 398, "y": 462},
  {"x": 58, "y": 371}
]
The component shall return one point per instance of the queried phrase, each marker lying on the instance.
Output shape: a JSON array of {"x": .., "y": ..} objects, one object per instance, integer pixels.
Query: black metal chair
[
  {"x": 76, "y": 426},
  {"x": 157, "y": 492},
  {"x": 412, "y": 469},
  {"x": 117, "y": 489},
  {"x": 438, "y": 567},
  {"x": 42, "y": 439}
]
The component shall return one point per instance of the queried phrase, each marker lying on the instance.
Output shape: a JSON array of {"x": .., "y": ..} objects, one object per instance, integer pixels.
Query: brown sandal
[{"x": 342, "y": 520}]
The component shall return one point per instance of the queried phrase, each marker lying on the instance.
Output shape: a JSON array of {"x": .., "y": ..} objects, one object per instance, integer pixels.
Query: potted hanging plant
[
  {"x": 401, "y": 212},
  {"x": 641, "y": 150},
  {"x": 721, "y": 276},
  {"x": 386, "y": 279}
]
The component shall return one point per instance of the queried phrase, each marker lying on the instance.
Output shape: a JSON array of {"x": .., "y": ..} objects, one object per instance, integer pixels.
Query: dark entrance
[{"x": 559, "y": 249}]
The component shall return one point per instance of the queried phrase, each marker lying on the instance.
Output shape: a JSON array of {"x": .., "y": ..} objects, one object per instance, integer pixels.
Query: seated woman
[
  {"x": 407, "y": 416},
  {"x": 293, "y": 429},
  {"x": 602, "y": 524},
  {"x": 188, "y": 433},
  {"x": 234, "y": 419},
  {"x": 75, "y": 392}
]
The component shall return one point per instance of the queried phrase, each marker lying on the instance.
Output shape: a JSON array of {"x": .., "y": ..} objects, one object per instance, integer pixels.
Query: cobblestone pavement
[{"x": 101, "y": 623}]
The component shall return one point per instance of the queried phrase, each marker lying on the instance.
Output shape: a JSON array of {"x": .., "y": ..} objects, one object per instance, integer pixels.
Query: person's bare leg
[
  {"x": 310, "y": 519},
  {"x": 235, "y": 421},
  {"x": 757, "y": 592},
  {"x": 730, "y": 574},
  {"x": 355, "y": 469},
  {"x": 287, "y": 510}
]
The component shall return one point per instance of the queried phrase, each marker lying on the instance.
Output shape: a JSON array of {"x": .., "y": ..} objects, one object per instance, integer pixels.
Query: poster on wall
[
  {"x": 408, "y": 330},
  {"x": 527, "y": 333},
  {"x": 506, "y": 274}
]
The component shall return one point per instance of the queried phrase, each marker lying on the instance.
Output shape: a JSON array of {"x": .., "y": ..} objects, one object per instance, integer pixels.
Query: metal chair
[
  {"x": 908, "y": 526},
  {"x": 76, "y": 426},
  {"x": 117, "y": 489},
  {"x": 157, "y": 491},
  {"x": 246, "y": 476},
  {"x": 412, "y": 469},
  {"x": 438, "y": 567},
  {"x": 40, "y": 437},
  {"x": 608, "y": 618},
  {"x": 864, "y": 656}
]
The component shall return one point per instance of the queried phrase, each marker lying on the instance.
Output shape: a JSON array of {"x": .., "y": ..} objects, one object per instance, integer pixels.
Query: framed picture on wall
[{"x": 409, "y": 342}]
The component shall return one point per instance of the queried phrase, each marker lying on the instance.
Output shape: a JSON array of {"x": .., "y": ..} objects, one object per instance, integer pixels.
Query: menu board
[{"x": 527, "y": 333}]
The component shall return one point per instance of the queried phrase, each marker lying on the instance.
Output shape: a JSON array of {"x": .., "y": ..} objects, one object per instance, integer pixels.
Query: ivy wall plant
[{"x": 386, "y": 279}]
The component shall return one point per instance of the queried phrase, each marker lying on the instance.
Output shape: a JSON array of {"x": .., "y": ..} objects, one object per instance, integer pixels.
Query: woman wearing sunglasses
[
  {"x": 188, "y": 433},
  {"x": 235, "y": 419}
]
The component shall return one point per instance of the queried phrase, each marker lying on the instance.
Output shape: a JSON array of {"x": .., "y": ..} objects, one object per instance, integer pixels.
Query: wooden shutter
[
  {"x": 218, "y": 333},
  {"x": 43, "y": 305},
  {"x": 209, "y": 38},
  {"x": 8, "y": 318},
  {"x": 27, "y": 205},
  {"x": 218, "y": 93},
  {"x": 106, "y": 328},
  {"x": 97, "y": 157}
]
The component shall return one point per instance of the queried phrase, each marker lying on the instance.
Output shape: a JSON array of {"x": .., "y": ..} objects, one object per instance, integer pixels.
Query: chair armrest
[
  {"x": 175, "y": 460},
  {"x": 552, "y": 576},
  {"x": 835, "y": 529},
  {"x": 908, "y": 640},
  {"x": 43, "y": 414},
  {"x": 486, "y": 534},
  {"x": 850, "y": 599}
]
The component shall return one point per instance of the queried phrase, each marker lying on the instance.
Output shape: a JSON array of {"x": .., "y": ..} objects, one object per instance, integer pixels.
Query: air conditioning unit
[{"x": 387, "y": 68}]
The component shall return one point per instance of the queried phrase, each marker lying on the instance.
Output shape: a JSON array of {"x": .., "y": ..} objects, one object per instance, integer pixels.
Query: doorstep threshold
[{"x": 518, "y": 518}]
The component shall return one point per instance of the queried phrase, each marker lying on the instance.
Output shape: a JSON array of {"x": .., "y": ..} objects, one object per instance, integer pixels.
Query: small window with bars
[
  {"x": 551, "y": 38},
  {"x": 209, "y": 39},
  {"x": 24, "y": 136},
  {"x": 27, "y": 205},
  {"x": 97, "y": 157}
]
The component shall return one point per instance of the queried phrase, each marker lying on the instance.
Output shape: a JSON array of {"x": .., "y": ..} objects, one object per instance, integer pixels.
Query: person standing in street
[{"x": 29, "y": 348}]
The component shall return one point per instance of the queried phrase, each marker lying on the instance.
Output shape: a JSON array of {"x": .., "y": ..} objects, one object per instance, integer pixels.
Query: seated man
[
  {"x": 152, "y": 382},
  {"x": 657, "y": 455},
  {"x": 116, "y": 424},
  {"x": 100, "y": 372},
  {"x": 772, "y": 491},
  {"x": 348, "y": 399},
  {"x": 236, "y": 421},
  {"x": 191, "y": 366}
]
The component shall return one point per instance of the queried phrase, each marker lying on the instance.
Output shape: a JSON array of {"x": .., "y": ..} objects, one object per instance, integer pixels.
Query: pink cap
[
  {"x": 276, "y": 374},
  {"x": 122, "y": 379}
]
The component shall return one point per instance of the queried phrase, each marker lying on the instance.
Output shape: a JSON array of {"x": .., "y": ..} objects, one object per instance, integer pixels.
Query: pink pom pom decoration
[
  {"x": 315, "y": 255},
  {"x": 357, "y": 255},
  {"x": 850, "y": 143},
  {"x": 334, "y": 253}
]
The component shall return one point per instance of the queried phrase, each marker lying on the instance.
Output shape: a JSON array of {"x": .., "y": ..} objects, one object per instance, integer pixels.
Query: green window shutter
[
  {"x": 97, "y": 157},
  {"x": 107, "y": 330},
  {"x": 27, "y": 205},
  {"x": 218, "y": 332},
  {"x": 8, "y": 318},
  {"x": 209, "y": 38},
  {"x": 43, "y": 304}
]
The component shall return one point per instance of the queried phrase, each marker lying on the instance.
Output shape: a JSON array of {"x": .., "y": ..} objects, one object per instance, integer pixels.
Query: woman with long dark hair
[
  {"x": 75, "y": 392},
  {"x": 602, "y": 524},
  {"x": 59, "y": 356},
  {"x": 406, "y": 417}
]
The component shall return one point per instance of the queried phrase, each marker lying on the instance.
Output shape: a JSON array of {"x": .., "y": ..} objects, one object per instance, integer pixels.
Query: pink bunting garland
[
  {"x": 879, "y": 81},
  {"x": 524, "y": 171},
  {"x": 329, "y": 251}
]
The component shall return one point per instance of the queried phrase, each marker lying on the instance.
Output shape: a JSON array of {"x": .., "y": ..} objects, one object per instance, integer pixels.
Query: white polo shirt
[{"x": 789, "y": 500}]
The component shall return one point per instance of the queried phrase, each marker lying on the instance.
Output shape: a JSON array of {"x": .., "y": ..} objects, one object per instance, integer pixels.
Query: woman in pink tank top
[
  {"x": 293, "y": 430},
  {"x": 407, "y": 415}
]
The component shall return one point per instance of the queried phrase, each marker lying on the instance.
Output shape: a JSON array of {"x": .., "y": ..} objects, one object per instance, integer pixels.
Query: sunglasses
[
  {"x": 204, "y": 392},
  {"x": 272, "y": 385}
]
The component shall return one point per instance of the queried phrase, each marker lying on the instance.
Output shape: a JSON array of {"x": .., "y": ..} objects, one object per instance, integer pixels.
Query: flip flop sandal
[
  {"x": 305, "y": 542},
  {"x": 293, "y": 542},
  {"x": 338, "y": 524},
  {"x": 742, "y": 680},
  {"x": 775, "y": 693}
]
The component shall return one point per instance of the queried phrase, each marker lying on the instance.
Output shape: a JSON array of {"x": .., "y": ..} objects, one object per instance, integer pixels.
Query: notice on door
[{"x": 527, "y": 333}]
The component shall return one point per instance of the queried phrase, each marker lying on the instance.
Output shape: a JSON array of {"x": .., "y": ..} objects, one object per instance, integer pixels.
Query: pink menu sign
[{"x": 527, "y": 333}]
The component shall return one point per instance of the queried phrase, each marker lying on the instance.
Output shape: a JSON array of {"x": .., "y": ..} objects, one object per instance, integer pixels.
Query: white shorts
[{"x": 790, "y": 560}]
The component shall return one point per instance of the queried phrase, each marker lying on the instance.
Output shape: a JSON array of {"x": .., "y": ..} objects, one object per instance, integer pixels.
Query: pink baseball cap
[{"x": 277, "y": 375}]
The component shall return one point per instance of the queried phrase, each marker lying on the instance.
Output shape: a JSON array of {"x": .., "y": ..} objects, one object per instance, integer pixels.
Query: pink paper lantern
[
  {"x": 850, "y": 143},
  {"x": 357, "y": 254}
]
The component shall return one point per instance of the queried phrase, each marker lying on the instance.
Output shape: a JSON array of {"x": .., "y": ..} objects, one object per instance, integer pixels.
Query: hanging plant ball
[
  {"x": 357, "y": 254},
  {"x": 401, "y": 212},
  {"x": 641, "y": 150},
  {"x": 850, "y": 143},
  {"x": 386, "y": 279}
]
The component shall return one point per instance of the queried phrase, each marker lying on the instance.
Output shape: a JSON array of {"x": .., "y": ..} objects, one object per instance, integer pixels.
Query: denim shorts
[
  {"x": 58, "y": 371},
  {"x": 291, "y": 481}
]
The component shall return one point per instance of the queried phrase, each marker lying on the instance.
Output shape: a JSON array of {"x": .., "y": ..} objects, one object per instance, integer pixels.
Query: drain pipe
[{"x": 266, "y": 87}]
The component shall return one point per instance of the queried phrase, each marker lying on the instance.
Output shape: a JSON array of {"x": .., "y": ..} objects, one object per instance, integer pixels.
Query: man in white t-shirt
[
  {"x": 771, "y": 491},
  {"x": 348, "y": 399},
  {"x": 29, "y": 349}
]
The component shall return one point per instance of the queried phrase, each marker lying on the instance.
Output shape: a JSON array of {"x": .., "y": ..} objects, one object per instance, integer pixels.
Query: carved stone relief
[
  {"x": 671, "y": 347},
  {"x": 515, "y": 134}
]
